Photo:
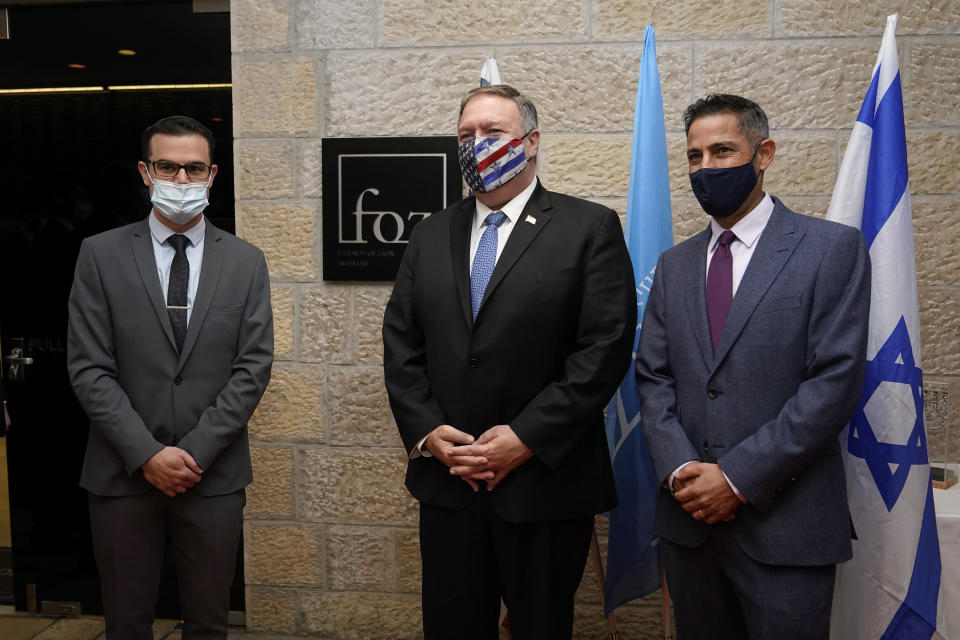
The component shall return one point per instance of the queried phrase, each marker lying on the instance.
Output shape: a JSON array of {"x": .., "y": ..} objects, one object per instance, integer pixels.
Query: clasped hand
[
  {"x": 172, "y": 470},
  {"x": 489, "y": 459},
  {"x": 703, "y": 492}
]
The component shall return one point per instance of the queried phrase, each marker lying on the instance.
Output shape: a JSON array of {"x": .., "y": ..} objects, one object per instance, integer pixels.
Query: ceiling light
[
  {"x": 51, "y": 90},
  {"x": 126, "y": 52},
  {"x": 77, "y": 65},
  {"x": 153, "y": 87}
]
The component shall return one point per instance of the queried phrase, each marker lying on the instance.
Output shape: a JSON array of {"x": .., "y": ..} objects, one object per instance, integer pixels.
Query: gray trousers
[
  {"x": 129, "y": 535},
  {"x": 721, "y": 593}
]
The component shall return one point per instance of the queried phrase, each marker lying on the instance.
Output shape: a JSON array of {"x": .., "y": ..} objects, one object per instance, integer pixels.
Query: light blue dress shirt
[{"x": 163, "y": 253}]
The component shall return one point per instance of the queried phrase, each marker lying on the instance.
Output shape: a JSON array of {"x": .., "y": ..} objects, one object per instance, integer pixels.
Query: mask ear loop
[
  {"x": 525, "y": 135},
  {"x": 754, "y": 156}
]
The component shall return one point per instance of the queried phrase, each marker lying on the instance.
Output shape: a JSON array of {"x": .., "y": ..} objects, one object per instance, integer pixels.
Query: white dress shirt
[
  {"x": 512, "y": 210},
  {"x": 163, "y": 253},
  {"x": 748, "y": 231}
]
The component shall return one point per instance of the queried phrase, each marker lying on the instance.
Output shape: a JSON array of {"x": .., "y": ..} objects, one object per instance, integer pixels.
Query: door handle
[{"x": 17, "y": 364}]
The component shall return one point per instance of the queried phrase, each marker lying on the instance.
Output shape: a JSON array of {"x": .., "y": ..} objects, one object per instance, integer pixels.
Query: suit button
[
  {"x": 712, "y": 394},
  {"x": 474, "y": 362},
  {"x": 177, "y": 380}
]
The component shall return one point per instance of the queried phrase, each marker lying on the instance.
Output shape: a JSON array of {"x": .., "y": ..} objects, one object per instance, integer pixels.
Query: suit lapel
[
  {"x": 531, "y": 222},
  {"x": 460, "y": 221},
  {"x": 775, "y": 245},
  {"x": 209, "y": 278},
  {"x": 697, "y": 302},
  {"x": 142, "y": 243}
]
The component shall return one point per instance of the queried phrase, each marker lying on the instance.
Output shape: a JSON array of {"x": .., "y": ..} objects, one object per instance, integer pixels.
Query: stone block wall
[{"x": 330, "y": 535}]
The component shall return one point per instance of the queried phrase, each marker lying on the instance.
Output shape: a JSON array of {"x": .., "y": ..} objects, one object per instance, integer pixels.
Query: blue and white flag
[
  {"x": 633, "y": 567},
  {"x": 889, "y": 589},
  {"x": 489, "y": 73}
]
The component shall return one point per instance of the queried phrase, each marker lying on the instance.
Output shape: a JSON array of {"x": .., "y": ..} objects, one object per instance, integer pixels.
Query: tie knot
[
  {"x": 727, "y": 238},
  {"x": 178, "y": 241},
  {"x": 496, "y": 218}
]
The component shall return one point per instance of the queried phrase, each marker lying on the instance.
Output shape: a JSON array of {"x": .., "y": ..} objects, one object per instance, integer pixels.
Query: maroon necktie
[{"x": 720, "y": 286}]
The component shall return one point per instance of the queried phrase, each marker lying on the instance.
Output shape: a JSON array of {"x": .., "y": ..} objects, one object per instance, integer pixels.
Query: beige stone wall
[{"x": 331, "y": 541}]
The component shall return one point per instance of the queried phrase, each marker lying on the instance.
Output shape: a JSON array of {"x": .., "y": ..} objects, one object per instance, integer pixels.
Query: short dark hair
[
  {"x": 528, "y": 112},
  {"x": 752, "y": 121},
  {"x": 175, "y": 126}
]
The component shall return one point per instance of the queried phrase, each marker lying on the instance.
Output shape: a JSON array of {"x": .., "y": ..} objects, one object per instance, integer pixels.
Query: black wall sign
[{"x": 375, "y": 190}]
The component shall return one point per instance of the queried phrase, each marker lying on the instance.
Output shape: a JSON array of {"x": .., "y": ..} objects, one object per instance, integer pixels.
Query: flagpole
[
  {"x": 611, "y": 624},
  {"x": 666, "y": 606}
]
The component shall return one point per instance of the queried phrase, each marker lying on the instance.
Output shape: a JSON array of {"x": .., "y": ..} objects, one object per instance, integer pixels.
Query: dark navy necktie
[
  {"x": 484, "y": 260},
  {"x": 177, "y": 288},
  {"x": 720, "y": 286}
]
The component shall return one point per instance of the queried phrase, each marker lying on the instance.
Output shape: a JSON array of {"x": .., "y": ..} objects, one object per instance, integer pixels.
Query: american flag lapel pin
[{"x": 531, "y": 219}]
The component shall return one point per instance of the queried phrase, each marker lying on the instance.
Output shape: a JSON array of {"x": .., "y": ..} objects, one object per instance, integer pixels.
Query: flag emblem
[{"x": 488, "y": 163}]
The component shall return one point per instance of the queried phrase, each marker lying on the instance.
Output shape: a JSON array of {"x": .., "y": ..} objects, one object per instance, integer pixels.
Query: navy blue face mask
[{"x": 722, "y": 191}]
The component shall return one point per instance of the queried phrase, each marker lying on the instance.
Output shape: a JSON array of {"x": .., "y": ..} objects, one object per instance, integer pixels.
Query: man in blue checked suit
[
  {"x": 509, "y": 327},
  {"x": 749, "y": 364}
]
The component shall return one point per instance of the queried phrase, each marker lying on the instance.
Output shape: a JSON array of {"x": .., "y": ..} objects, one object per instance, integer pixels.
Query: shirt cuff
[
  {"x": 419, "y": 450},
  {"x": 675, "y": 472},
  {"x": 736, "y": 491}
]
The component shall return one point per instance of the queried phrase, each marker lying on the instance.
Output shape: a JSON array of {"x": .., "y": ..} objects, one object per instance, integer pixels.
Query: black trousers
[
  {"x": 129, "y": 535},
  {"x": 720, "y": 592},
  {"x": 472, "y": 558}
]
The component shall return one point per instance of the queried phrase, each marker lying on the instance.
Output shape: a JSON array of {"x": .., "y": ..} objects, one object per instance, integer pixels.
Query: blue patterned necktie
[{"x": 484, "y": 260}]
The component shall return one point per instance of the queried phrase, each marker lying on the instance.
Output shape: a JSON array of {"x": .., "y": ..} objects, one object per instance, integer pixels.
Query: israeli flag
[
  {"x": 489, "y": 73},
  {"x": 633, "y": 566},
  {"x": 889, "y": 589}
]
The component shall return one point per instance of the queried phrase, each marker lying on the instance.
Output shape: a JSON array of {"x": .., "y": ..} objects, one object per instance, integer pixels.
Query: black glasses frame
[{"x": 186, "y": 168}]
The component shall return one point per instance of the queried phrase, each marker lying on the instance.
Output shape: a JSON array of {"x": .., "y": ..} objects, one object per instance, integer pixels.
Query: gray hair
[{"x": 528, "y": 112}]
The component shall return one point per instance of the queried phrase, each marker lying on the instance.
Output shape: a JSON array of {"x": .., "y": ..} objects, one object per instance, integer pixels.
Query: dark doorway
[{"x": 67, "y": 171}]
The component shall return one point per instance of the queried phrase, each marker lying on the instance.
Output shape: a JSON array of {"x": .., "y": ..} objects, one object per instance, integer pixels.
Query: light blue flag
[
  {"x": 633, "y": 567},
  {"x": 890, "y": 587}
]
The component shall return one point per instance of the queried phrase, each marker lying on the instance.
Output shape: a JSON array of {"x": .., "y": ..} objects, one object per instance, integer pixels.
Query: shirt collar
[
  {"x": 749, "y": 228},
  {"x": 161, "y": 232},
  {"x": 512, "y": 209}
]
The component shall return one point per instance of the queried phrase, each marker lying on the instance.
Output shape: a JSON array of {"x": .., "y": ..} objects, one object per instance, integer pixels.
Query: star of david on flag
[
  {"x": 890, "y": 463},
  {"x": 889, "y": 590}
]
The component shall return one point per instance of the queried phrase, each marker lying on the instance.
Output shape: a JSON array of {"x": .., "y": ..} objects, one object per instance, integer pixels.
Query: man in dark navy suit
[{"x": 509, "y": 328}]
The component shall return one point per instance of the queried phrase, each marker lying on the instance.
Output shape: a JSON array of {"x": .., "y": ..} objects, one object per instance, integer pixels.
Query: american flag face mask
[{"x": 489, "y": 163}]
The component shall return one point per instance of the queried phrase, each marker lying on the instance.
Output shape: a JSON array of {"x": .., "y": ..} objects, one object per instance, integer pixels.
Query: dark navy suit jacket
[{"x": 549, "y": 346}]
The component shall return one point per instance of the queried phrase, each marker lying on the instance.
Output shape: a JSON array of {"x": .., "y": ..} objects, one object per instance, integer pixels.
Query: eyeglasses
[{"x": 166, "y": 169}]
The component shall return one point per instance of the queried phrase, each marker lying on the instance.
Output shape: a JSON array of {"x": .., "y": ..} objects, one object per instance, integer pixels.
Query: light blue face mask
[{"x": 179, "y": 203}]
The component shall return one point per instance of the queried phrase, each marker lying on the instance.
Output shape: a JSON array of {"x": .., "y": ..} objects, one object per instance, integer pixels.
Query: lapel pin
[{"x": 531, "y": 219}]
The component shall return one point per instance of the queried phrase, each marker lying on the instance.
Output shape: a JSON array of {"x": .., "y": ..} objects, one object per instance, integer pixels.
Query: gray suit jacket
[
  {"x": 138, "y": 392},
  {"x": 768, "y": 407}
]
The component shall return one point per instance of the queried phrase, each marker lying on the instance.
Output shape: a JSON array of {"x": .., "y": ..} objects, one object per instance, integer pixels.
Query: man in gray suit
[
  {"x": 749, "y": 364},
  {"x": 170, "y": 344}
]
